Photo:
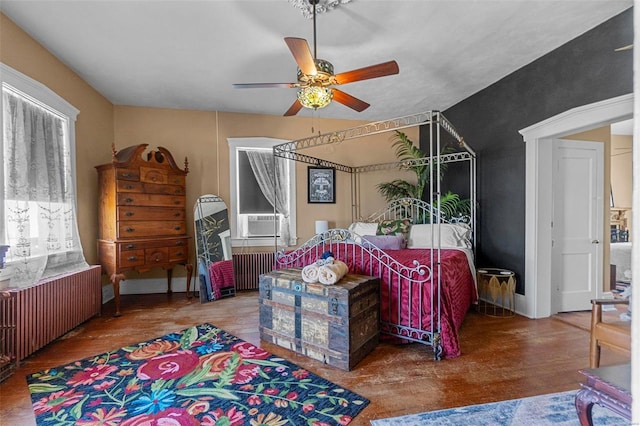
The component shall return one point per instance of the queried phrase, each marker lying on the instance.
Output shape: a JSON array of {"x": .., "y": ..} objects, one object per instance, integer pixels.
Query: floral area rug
[
  {"x": 199, "y": 376},
  {"x": 556, "y": 409}
]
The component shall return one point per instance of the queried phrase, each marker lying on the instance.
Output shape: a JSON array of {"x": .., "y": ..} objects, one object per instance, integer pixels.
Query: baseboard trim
[
  {"x": 144, "y": 286},
  {"x": 107, "y": 293}
]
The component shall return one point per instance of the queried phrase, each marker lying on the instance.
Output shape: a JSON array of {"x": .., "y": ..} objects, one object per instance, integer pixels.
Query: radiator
[
  {"x": 35, "y": 316},
  {"x": 247, "y": 268}
]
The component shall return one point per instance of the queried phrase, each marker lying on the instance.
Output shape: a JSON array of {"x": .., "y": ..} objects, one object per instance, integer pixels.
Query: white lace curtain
[
  {"x": 266, "y": 167},
  {"x": 38, "y": 195}
]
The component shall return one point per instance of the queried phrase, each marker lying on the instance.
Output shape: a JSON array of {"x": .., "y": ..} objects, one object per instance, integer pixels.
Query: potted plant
[{"x": 451, "y": 205}]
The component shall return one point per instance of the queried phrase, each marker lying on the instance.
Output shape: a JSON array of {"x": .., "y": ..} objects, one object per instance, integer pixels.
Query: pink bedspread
[
  {"x": 221, "y": 274},
  {"x": 457, "y": 292}
]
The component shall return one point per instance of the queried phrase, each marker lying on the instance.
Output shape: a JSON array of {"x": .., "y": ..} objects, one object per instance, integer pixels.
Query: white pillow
[
  {"x": 453, "y": 235},
  {"x": 363, "y": 228}
]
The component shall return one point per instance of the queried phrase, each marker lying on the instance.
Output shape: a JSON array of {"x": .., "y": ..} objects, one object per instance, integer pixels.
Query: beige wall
[
  {"x": 621, "y": 164},
  {"x": 94, "y": 126},
  {"x": 201, "y": 136}
]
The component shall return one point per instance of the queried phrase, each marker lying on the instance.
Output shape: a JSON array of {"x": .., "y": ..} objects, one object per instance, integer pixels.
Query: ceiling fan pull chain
[{"x": 315, "y": 51}]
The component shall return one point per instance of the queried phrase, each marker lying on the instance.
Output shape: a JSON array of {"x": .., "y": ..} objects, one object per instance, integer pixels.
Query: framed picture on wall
[{"x": 321, "y": 185}]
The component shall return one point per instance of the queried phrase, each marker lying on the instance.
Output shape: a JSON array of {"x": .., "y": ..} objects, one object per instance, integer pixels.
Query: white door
[{"x": 578, "y": 180}]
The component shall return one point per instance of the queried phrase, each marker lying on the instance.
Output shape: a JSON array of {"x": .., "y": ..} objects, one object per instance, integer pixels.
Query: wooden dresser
[{"x": 142, "y": 216}]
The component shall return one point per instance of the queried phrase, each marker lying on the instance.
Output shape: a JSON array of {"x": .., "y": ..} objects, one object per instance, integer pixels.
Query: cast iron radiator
[
  {"x": 247, "y": 268},
  {"x": 35, "y": 316}
]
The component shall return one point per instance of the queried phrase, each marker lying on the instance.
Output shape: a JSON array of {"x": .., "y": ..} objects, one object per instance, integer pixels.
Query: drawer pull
[
  {"x": 128, "y": 200},
  {"x": 132, "y": 258},
  {"x": 177, "y": 228},
  {"x": 177, "y": 214},
  {"x": 176, "y": 202},
  {"x": 179, "y": 253},
  {"x": 157, "y": 259},
  {"x": 126, "y": 175},
  {"x": 180, "y": 243},
  {"x": 130, "y": 229},
  {"x": 178, "y": 191},
  {"x": 128, "y": 187},
  {"x": 131, "y": 246},
  {"x": 128, "y": 214}
]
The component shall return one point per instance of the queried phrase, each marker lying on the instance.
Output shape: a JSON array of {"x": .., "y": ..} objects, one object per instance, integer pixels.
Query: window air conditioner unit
[{"x": 260, "y": 225}]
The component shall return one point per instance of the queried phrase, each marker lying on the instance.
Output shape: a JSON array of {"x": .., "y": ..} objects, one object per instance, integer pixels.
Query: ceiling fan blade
[
  {"x": 348, "y": 100},
  {"x": 293, "y": 109},
  {"x": 373, "y": 71},
  {"x": 622, "y": 49},
  {"x": 302, "y": 54},
  {"x": 262, "y": 85}
]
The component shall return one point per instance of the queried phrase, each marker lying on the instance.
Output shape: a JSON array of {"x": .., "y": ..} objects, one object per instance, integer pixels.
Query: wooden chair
[{"x": 615, "y": 335}]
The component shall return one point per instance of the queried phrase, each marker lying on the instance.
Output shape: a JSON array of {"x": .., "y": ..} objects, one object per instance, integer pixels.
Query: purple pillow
[{"x": 386, "y": 242}]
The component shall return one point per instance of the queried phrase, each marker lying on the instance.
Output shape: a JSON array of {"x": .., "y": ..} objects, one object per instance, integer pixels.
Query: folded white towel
[
  {"x": 310, "y": 273},
  {"x": 331, "y": 273}
]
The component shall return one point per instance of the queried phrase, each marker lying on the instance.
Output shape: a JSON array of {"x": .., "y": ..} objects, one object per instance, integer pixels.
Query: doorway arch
[{"x": 538, "y": 191}]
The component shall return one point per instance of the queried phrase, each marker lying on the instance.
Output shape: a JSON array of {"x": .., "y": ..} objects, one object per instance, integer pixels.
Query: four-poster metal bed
[{"x": 427, "y": 288}]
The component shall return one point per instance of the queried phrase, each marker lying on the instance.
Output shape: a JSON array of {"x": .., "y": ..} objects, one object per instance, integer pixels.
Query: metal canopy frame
[{"x": 436, "y": 122}]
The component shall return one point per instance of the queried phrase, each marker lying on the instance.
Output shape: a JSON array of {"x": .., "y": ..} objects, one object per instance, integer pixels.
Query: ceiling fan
[{"x": 316, "y": 77}]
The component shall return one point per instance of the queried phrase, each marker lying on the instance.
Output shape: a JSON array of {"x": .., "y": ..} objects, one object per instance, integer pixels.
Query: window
[
  {"x": 38, "y": 204},
  {"x": 254, "y": 220}
]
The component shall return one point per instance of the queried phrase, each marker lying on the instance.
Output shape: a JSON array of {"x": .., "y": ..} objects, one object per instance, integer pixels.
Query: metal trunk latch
[{"x": 334, "y": 306}]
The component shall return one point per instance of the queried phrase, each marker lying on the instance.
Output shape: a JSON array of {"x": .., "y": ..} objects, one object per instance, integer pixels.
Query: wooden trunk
[{"x": 335, "y": 324}]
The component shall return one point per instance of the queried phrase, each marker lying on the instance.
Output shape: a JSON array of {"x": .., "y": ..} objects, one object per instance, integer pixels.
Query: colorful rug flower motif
[{"x": 200, "y": 376}]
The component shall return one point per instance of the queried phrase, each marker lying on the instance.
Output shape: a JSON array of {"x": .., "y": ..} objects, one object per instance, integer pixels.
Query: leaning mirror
[{"x": 213, "y": 248}]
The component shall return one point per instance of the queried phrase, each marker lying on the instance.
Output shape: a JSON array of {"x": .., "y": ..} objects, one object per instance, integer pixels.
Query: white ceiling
[{"x": 187, "y": 54}]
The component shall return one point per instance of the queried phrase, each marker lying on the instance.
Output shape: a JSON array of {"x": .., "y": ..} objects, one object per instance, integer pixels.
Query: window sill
[
  {"x": 253, "y": 242},
  {"x": 257, "y": 242}
]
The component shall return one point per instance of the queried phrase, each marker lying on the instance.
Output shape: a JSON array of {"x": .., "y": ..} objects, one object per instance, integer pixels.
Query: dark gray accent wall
[{"x": 583, "y": 71}]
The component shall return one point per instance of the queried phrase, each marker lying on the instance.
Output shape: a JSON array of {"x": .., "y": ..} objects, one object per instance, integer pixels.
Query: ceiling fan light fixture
[{"x": 315, "y": 97}]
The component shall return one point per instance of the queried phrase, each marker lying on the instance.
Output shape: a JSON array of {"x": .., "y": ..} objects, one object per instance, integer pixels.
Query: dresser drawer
[
  {"x": 156, "y": 255},
  {"x": 150, "y": 200},
  {"x": 182, "y": 242},
  {"x": 131, "y": 258},
  {"x": 153, "y": 175},
  {"x": 149, "y": 188},
  {"x": 146, "y": 213},
  {"x": 142, "y": 244},
  {"x": 128, "y": 174},
  {"x": 129, "y": 186},
  {"x": 150, "y": 228},
  {"x": 178, "y": 253},
  {"x": 176, "y": 180},
  {"x": 131, "y": 246}
]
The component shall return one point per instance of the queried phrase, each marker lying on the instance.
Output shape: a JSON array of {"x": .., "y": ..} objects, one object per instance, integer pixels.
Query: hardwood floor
[{"x": 502, "y": 358}]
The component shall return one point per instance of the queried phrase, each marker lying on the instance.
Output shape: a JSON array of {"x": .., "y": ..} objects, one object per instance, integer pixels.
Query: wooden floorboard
[{"x": 502, "y": 358}]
